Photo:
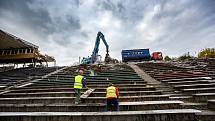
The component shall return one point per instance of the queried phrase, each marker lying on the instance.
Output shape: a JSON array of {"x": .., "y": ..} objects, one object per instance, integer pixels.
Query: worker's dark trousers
[
  {"x": 77, "y": 95},
  {"x": 112, "y": 104}
]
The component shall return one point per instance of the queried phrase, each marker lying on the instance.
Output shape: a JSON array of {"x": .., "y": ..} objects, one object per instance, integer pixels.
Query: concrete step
[
  {"x": 195, "y": 86},
  {"x": 41, "y": 81},
  {"x": 182, "y": 98},
  {"x": 198, "y": 106},
  {"x": 96, "y": 78},
  {"x": 203, "y": 97},
  {"x": 186, "y": 79},
  {"x": 97, "y": 107},
  {"x": 32, "y": 90},
  {"x": 119, "y": 85},
  {"x": 211, "y": 104},
  {"x": 199, "y": 90},
  {"x": 72, "y": 94},
  {"x": 60, "y": 84},
  {"x": 176, "y": 94},
  {"x": 128, "y": 93},
  {"x": 151, "y": 115},
  {"x": 39, "y": 94},
  {"x": 50, "y": 100},
  {"x": 191, "y": 82},
  {"x": 166, "y": 77},
  {"x": 205, "y": 115}
]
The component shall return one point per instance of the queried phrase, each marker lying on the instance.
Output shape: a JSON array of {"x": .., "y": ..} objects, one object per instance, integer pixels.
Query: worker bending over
[
  {"x": 112, "y": 95},
  {"x": 80, "y": 82}
]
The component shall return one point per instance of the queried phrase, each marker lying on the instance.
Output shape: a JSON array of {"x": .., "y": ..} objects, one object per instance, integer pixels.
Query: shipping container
[{"x": 135, "y": 55}]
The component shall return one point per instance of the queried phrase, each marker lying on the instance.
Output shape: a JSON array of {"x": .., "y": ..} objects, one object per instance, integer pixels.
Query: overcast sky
[{"x": 67, "y": 29}]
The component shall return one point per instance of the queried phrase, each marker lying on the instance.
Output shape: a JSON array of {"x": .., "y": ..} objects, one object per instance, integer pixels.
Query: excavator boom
[{"x": 95, "y": 55}]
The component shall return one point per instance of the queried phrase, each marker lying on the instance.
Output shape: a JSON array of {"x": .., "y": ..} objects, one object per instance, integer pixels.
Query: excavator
[{"x": 94, "y": 57}]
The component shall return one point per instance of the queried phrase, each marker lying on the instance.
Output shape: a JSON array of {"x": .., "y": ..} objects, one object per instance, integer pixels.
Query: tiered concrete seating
[
  {"x": 210, "y": 68},
  {"x": 21, "y": 75},
  {"x": 52, "y": 99},
  {"x": 194, "y": 88},
  {"x": 55, "y": 94}
]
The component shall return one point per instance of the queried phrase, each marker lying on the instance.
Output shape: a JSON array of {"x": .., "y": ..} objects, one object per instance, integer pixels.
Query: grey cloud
[
  {"x": 40, "y": 21},
  {"x": 171, "y": 26}
]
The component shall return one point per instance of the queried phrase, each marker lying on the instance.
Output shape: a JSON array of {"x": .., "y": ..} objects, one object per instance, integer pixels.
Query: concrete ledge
[
  {"x": 72, "y": 94},
  {"x": 205, "y": 115},
  {"x": 199, "y": 90},
  {"x": 152, "y": 115},
  {"x": 191, "y": 82},
  {"x": 198, "y": 106},
  {"x": 49, "y": 100},
  {"x": 39, "y": 94},
  {"x": 128, "y": 93},
  {"x": 32, "y": 90},
  {"x": 187, "y": 79},
  {"x": 194, "y": 86},
  {"x": 203, "y": 97},
  {"x": 98, "y": 107},
  {"x": 211, "y": 104}
]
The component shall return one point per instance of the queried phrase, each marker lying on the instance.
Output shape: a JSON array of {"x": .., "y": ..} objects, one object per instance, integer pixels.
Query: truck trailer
[{"x": 136, "y": 55}]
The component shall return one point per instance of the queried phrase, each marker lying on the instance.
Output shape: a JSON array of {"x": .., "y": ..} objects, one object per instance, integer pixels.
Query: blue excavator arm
[
  {"x": 96, "y": 48},
  {"x": 94, "y": 56}
]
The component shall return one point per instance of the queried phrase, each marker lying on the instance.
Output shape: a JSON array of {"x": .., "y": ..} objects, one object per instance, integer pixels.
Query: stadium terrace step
[
  {"x": 179, "y": 76},
  {"x": 128, "y": 93},
  {"x": 199, "y": 90},
  {"x": 211, "y": 104},
  {"x": 194, "y": 86},
  {"x": 97, "y": 107},
  {"x": 2, "y": 87},
  {"x": 70, "y": 84},
  {"x": 203, "y": 97},
  {"x": 104, "y": 85},
  {"x": 170, "y": 76},
  {"x": 205, "y": 115},
  {"x": 32, "y": 90},
  {"x": 116, "y": 75},
  {"x": 62, "y": 89},
  {"x": 44, "y": 81},
  {"x": 118, "y": 72},
  {"x": 151, "y": 115},
  {"x": 198, "y": 106},
  {"x": 186, "y": 79},
  {"x": 92, "y": 80},
  {"x": 119, "y": 85},
  {"x": 50, "y": 100},
  {"x": 92, "y": 77},
  {"x": 192, "y": 82},
  {"x": 128, "y": 98},
  {"x": 38, "y": 94},
  {"x": 182, "y": 98}
]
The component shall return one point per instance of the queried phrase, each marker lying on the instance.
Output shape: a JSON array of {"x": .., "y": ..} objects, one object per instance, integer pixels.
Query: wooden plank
[{"x": 87, "y": 93}]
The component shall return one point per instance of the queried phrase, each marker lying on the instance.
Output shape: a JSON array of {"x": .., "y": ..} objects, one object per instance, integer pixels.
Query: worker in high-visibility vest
[
  {"x": 112, "y": 95},
  {"x": 79, "y": 83}
]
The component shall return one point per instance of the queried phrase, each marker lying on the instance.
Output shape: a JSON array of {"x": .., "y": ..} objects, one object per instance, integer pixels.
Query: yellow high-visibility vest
[
  {"x": 78, "y": 82},
  {"x": 111, "y": 92}
]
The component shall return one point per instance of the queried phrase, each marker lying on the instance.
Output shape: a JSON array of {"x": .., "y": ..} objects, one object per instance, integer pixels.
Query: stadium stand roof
[
  {"x": 9, "y": 41},
  {"x": 17, "y": 50}
]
